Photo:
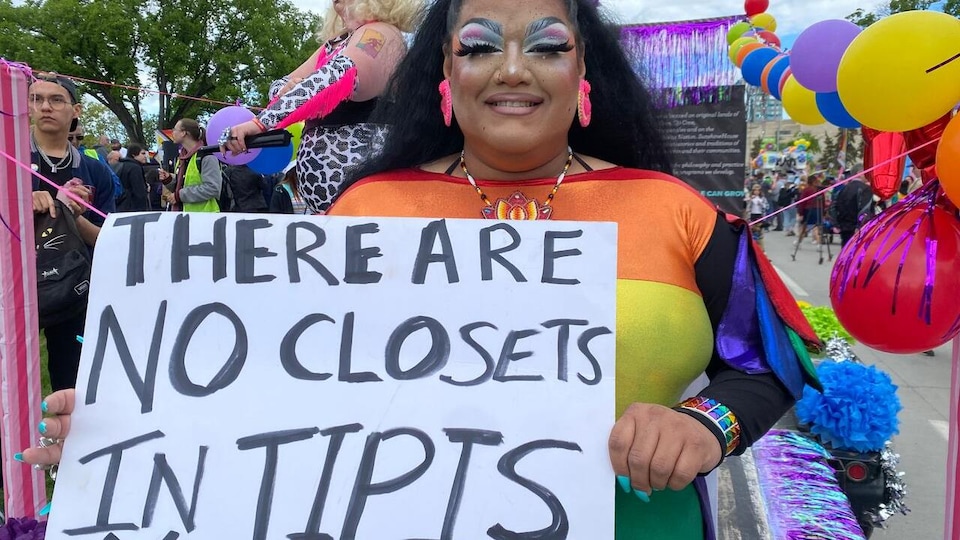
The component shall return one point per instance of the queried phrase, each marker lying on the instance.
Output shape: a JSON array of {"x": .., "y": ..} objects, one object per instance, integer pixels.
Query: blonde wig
[{"x": 404, "y": 14}]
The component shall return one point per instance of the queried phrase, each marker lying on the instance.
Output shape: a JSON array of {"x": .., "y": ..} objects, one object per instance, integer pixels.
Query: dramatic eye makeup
[
  {"x": 547, "y": 35},
  {"x": 480, "y": 36}
]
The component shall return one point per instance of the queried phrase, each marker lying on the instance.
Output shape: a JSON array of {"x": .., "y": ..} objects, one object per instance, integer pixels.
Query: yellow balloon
[
  {"x": 296, "y": 130},
  {"x": 801, "y": 103},
  {"x": 902, "y": 72},
  {"x": 765, "y": 21},
  {"x": 735, "y": 47}
]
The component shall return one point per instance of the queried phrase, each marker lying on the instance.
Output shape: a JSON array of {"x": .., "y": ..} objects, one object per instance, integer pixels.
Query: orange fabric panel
[{"x": 664, "y": 225}]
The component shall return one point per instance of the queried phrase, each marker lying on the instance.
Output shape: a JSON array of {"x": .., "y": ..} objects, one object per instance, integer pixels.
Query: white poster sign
[{"x": 271, "y": 377}]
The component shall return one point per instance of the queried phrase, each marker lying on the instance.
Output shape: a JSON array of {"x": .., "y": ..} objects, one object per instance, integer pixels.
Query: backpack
[
  {"x": 225, "y": 200},
  {"x": 63, "y": 267}
]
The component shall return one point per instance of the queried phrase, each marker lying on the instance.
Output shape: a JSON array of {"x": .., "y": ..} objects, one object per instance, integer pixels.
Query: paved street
[{"x": 924, "y": 386}]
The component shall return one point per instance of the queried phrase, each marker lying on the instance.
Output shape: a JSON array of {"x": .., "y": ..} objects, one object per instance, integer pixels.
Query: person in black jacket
[
  {"x": 245, "y": 190},
  {"x": 852, "y": 205},
  {"x": 130, "y": 171}
]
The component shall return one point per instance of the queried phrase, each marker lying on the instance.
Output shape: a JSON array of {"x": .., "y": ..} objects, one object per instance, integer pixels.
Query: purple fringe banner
[
  {"x": 683, "y": 62},
  {"x": 800, "y": 491}
]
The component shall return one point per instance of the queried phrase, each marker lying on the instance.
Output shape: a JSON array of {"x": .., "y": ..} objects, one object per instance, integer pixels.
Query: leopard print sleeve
[
  {"x": 307, "y": 89},
  {"x": 276, "y": 86}
]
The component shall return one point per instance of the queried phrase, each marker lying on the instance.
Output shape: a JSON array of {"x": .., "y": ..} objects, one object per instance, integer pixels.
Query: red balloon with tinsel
[
  {"x": 755, "y": 7},
  {"x": 894, "y": 286}
]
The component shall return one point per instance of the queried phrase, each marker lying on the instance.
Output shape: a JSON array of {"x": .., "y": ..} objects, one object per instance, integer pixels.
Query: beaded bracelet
[{"x": 720, "y": 415}]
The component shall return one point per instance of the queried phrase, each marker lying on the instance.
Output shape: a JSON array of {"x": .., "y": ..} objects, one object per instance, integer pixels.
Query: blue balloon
[
  {"x": 272, "y": 160},
  {"x": 753, "y": 64},
  {"x": 833, "y": 110},
  {"x": 775, "y": 74}
]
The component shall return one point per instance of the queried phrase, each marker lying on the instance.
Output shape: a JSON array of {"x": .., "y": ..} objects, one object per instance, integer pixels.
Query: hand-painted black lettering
[
  {"x": 346, "y": 356},
  {"x": 247, "y": 251},
  {"x": 357, "y": 256},
  {"x": 295, "y": 254},
  {"x": 488, "y": 254},
  {"x": 508, "y": 354},
  {"x": 563, "y": 341},
  {"x": 468, "y": 437},
  {"x": 288, "y": 349},
  {"x": 312, "y": 530},
  {"x": 231, "y": 368},
  {"x": 272, "y": 442},
  {"x": 550, "y": 255},
  {"x": 181, "y": 249},
  {"x": 172, "y": 535},
  {"x": 425, "y": 255},
  {"x": 115, "y": 451},
  {"x": 363, "y": 488},
  {"x": 135, "y": 247},
  {"x": 162, "y": 473},
  {"x": 143, "y": 387},
  {"x": 583, "y": 343},
  {"x": 559, "y": 526},
  {"x": 434, "y": 360},
  {"x": 465, "y": 335}
]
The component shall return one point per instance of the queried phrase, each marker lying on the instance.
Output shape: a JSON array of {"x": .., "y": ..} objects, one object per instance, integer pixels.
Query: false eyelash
[
  {"x": 548, "y": 49},
  {"x": 480, "y": 48}
]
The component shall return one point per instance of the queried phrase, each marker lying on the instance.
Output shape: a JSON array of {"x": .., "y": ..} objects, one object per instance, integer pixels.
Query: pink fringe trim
[{"x": 325, "y": 101}]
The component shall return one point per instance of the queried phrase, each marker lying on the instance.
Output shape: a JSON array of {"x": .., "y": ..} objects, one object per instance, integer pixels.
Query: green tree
[
  {"x": 755, "y": 147},
  {"x": 215, "y": 49},
  {"x": 864, "y": 18},
  {"x": 827, "y": 159},
  {"x": 98, "y": 120}
]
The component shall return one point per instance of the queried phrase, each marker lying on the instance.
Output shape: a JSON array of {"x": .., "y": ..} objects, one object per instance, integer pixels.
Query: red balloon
[
  {"x": 770, "y": 38},
  {"x": 755, "y": 7},
  {"x": 892, "y": 309},
  {"x": 878, "y": 149},
  {"x": 925, "y": 158}
]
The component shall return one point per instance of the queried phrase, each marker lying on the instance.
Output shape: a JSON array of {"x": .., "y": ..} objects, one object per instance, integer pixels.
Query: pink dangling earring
[
  {"x": 446, "y": 102},
  {"x": 584, "y": 107}
]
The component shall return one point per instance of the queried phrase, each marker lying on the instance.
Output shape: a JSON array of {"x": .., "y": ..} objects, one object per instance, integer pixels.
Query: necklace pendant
[
  {"x": 517, "y": 207},
  {"x": 53, "y": 169}
]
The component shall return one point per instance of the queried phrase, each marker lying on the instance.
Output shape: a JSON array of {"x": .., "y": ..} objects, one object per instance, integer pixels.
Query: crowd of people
[{"x": 506, "y": 109}]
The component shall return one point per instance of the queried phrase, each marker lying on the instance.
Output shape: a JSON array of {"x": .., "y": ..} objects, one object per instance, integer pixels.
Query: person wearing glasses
[
  {"x": 54, "y": 113},
  {"x": 76, "y": 139}
]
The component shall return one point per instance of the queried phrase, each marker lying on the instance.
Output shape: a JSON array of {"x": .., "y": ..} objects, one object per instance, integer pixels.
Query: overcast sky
[{"x": 792, "y": 15}]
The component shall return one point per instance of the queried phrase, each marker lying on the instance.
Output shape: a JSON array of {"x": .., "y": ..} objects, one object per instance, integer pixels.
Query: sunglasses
[{"x": 75, "y": 137}]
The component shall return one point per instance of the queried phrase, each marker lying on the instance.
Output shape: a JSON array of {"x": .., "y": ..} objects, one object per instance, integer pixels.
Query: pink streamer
[{"x": 24, "y": 491}]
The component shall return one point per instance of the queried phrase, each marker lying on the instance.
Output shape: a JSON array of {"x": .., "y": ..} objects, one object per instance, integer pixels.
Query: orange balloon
[
  {"x": 745, "y": 50},
  {"x": 948, "y": 160},
  {"x": 787, "y": 73},
  {"x": 766, "y": 73}
]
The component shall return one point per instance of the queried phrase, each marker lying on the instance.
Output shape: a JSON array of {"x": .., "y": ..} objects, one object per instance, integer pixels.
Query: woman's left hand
[{"x": 657, "y": 448}]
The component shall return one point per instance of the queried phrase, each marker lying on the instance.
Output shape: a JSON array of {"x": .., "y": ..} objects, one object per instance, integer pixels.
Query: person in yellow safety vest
[{"x": 196, "y": 185}]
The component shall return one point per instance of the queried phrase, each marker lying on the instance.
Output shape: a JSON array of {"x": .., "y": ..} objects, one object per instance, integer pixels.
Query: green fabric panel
[
  {"x": 670, "y": 515},
  {"x": 801, "y": 349}
]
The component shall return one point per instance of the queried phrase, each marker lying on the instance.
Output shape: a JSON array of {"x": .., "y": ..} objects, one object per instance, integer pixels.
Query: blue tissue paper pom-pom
[{"x": 857, "y": 409}]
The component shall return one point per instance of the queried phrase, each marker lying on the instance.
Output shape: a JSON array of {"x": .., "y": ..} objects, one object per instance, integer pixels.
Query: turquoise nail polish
[
  {"x": 624, "y": 484},
  {"x": 43, "y": 406},
  {"x": 43, "y": 428},
  {"x": 45, "y": 510},
  {"x": 18, "y": 457},
  {"x": 641, "y": 495}
]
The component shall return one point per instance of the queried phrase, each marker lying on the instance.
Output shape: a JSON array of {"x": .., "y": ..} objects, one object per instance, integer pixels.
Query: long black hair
[{"x": 624, "y": 129}]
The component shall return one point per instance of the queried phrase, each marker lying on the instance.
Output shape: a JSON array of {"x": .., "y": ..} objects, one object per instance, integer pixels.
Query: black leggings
[{"x": 63, "y": 351}]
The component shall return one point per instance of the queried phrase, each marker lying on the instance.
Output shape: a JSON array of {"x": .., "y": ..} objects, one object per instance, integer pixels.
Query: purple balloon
[
  {"x": 221, "y": 120},
  {"x": 815, "y": 57}
]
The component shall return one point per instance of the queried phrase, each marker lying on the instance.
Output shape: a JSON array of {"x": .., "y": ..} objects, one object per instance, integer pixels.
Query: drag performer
[{"x": 335, "y": 90}]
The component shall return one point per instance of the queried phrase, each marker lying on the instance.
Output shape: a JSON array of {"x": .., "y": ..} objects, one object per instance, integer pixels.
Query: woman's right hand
[{"x": 58, "y": 406}]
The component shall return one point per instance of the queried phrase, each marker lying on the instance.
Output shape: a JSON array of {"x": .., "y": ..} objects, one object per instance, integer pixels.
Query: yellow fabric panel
[{"x": 664, "y": 342}]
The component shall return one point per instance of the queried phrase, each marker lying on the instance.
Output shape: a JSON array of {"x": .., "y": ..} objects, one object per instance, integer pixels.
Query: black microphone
[{"x": 267, "y": 139}]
